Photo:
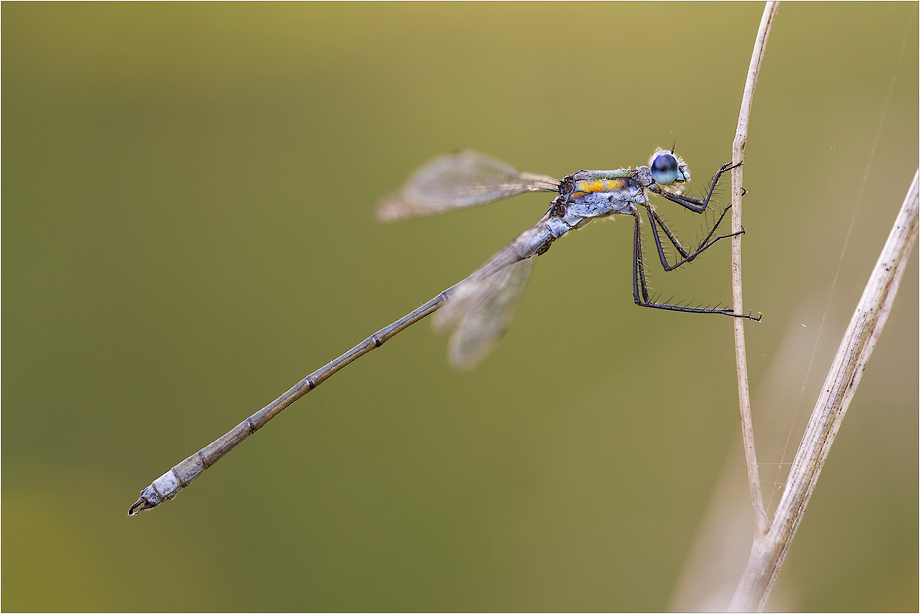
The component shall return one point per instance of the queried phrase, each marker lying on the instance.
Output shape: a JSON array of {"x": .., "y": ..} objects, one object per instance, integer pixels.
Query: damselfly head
[{"x": 667, "y": 169}]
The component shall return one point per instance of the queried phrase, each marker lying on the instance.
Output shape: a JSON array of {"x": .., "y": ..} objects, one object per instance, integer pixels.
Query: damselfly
[{"x": 481, "y": 306}]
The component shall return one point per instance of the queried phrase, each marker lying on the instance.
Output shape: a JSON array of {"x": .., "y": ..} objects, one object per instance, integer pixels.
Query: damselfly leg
[
  {"x": 705, "y": 244},
  {"x": 640, "y": 280},
  {"x": 696, "y": 205}
]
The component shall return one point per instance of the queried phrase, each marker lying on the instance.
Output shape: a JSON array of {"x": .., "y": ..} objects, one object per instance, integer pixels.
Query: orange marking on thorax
[{"x": 598, "y": 185}]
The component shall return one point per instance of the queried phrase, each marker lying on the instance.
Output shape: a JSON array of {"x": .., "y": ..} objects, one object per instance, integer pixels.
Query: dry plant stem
[
  {"x": 769, "y": 551},
  {"x": 744, "y": 397}
]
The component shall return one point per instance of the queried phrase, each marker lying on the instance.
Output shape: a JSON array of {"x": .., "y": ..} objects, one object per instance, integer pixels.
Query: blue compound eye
[{"x": 665, "y": 168}]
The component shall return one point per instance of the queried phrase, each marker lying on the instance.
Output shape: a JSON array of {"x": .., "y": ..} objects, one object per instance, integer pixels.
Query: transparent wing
[
  {"x": 457, "y": 180},
  {"x": 479, "y": 310}
]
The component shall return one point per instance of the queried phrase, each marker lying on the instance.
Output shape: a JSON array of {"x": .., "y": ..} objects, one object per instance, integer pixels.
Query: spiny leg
[
  {"x": 640, "y": 282},
  {"x": 698, "y": 205},
  {"x": 707, "y": 242}
]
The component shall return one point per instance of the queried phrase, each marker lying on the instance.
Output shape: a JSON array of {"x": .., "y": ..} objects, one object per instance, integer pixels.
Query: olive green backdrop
[{"x": 187, "y": 230}]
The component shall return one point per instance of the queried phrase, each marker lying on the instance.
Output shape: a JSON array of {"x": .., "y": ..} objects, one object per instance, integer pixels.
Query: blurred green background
[{"x": 187, "y": 231}]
